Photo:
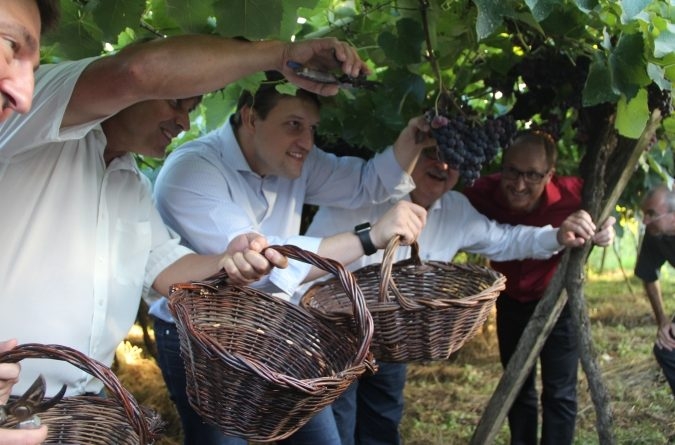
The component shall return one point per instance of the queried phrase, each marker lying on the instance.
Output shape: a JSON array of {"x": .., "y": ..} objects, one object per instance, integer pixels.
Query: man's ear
[{"x": 247, "y": 117}]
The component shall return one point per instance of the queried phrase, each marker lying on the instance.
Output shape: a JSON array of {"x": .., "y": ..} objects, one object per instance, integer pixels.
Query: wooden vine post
[{"x": 570, "y": 276}]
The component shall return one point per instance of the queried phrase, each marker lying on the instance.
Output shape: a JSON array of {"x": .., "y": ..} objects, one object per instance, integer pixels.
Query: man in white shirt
[
  {"x": 255, "y": 173},
  {"x": 370, "y": 411},
  {"x": 85, "y": 241},
  {"x": 22, "y": 23}
]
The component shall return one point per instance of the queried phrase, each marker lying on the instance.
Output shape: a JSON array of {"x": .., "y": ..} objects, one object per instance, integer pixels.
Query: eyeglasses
[
  {"x": 531, "y": 177},
  {"x": 432, "y": 153}
]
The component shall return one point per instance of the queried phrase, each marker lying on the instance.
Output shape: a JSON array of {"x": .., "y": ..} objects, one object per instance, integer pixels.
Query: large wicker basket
[
  {"x": 260, "y": 367},
  {"x": 422, "y": 311},
  {"x": 115, "y": 420}
]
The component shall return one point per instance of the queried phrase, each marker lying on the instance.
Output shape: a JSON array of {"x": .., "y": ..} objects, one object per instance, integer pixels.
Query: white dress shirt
[
  {"x": 453, "y": 225},
  {"x": 207, "y": 192},
  {"x": 81, "y": 241}
]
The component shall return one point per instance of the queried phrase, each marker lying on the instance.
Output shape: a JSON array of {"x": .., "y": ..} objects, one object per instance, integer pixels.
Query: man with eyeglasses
[
  {"x": 370, "y": 411},
  {"x": 657, "y": 248},
  {"x": 527, "y": 191}
]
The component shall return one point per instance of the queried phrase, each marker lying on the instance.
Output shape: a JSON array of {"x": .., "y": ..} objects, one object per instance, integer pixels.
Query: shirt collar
[{"x": 231, "y": 153}]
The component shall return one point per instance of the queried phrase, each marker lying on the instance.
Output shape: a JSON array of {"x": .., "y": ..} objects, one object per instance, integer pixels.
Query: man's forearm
[{"x": 653, "y": 291}]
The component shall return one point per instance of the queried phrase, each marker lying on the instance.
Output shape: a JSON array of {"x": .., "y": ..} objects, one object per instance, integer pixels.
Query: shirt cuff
[
  {"x": 548, "y": 240},
  {"x": 160, "y": 258},
  {"x": 386, "y": 166},
  {"x": 288, "y": 279}
]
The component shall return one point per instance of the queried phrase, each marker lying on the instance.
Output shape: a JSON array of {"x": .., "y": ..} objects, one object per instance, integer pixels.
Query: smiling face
[
  {"x": 147, "y": 127},
  {"x": 525, "y": 173},
  {"x": 19, "y": 54},
  {"x": 433, "y": 178},
  {"x": 279, "y": 143}
]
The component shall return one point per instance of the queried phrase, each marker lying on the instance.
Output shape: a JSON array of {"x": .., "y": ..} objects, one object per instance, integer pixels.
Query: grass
[{"x": 444, "y": 401}]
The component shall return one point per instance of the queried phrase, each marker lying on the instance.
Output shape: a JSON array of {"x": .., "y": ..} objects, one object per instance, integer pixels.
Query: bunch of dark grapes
[
  {"x": 467, "y": 144},
  {"x": 658, "y": 98}
]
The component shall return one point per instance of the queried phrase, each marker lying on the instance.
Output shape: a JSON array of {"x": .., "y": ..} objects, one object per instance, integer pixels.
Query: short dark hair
[
  {"x": 49, "y": 13},
  {"x": 537, "y": 138},
  {"x": 267, "y": 97}
]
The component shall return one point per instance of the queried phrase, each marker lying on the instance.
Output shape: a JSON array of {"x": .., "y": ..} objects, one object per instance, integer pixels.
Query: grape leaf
[
  {"x": 664, "y": 44},
  {"x": 490, "y": 16},
  {"x": 657, "y": 74},
  {"x": 77, "y": 35},
  {"x": 628, "y": 65},
  {"x": 191, "y": 15},
  {"x": 114, "y": 16},
  {"x": 289, "y": 19},
  {"x": 598, "y": 88},
  {"x": 632, "y": 115},
  {"x": 541, "y": 8},
  {"x": 632, "y": 9},
  {"x": 406, "y": 46},
  {"x": 254, "y": 19},
  {"x": 586, "y": 5}
]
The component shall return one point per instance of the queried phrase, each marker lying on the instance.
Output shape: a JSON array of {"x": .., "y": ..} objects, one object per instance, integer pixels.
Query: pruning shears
[
  {"x": 25, "y": 408},
  {"x": 344, "y": 81}
]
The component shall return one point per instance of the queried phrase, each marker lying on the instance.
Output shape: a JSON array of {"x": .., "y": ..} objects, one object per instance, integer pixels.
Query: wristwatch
[{"x": 363, "y": 232}]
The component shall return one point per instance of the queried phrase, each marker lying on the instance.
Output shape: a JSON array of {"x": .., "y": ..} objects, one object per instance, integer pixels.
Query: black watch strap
[{"x": 363, "y": 232}]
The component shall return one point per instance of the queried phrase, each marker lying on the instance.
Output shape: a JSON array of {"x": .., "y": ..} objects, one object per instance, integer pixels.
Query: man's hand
[
  {"x": 664, "y": 338},
  {"x": 576, "y": 229},
  {"x": 326, "y": 54},
  {"x": 245, "y": 262},
  {"x": 9, "y": 372},
  {"x": 23, "y": 437},
  {"x": 416, "y": 134},
  {"x": 605, "y": 235},
  {"x": 405, "y": 219}
]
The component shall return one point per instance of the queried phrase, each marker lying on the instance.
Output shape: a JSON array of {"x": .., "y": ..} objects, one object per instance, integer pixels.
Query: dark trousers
[
  {"x": 370, "y": 411},
  {"x": 666, "y": 360},
  {"x": 559, "y": 360},
  {"x": 320, "y": 429}
]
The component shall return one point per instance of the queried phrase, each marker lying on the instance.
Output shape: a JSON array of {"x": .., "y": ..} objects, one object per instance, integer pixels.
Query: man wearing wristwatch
[{"x": 254, "y": 174}]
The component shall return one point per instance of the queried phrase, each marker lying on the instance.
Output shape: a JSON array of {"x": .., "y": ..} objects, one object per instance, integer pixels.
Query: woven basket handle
[
  {"x": 387, "y": 282},
  {"x": 95, "y": 368},
  {"x": 363, "y": 319}
]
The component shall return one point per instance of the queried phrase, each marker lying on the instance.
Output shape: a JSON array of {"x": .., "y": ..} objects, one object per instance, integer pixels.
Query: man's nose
[
  {"x": 307, "y": 139},
  {"x": 17, "y": 90},
  {"x": 183, "y": 121}
]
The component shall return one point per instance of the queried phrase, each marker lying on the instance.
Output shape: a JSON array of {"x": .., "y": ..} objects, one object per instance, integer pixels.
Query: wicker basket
[
  {"x": 90, "y": 420},
  {"x": 422, "y": 311},
  {"x": 260, "y": 367}
]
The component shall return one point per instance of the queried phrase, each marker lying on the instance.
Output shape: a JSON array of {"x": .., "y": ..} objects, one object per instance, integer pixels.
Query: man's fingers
[
  {"x": 7, "y": 345},
  {"x": 277, "y": 259},
  {"x": 22, "y": 437}
]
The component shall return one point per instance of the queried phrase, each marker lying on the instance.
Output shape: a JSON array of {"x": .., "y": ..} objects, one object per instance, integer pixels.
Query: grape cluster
[
  {"x": 467, "y": 144},
  {"x": 658, "y": 98}
]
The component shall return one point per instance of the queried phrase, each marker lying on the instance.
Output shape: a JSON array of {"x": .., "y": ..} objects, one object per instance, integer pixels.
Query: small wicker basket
[
  {"x": 260, "y": 367},
  {"x": 422, "y": 311},
  {"x": 91, "y": 420}
]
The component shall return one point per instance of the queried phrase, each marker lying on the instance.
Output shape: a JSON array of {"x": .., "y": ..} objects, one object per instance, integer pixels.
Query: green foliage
[{"x": 586, "y": 53}]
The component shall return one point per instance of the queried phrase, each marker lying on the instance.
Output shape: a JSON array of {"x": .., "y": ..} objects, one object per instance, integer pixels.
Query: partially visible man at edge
[
  {"x": 21, "y": 24},
  {"x": 657, "y": 248}
]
